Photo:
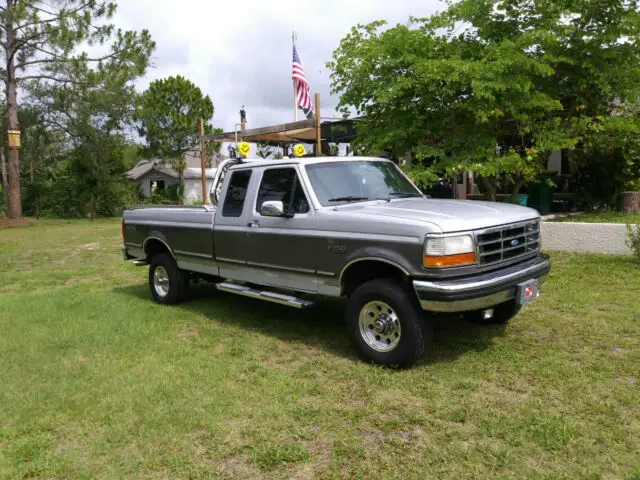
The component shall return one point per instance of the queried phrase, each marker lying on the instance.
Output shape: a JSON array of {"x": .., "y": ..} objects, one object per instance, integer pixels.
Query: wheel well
[
  {"x": 153, "y": 247},
  {"x": 367, "y": 270}
]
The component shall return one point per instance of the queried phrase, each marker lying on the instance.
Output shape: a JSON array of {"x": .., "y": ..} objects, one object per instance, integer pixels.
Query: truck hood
[{"x": 448, "y": 215}]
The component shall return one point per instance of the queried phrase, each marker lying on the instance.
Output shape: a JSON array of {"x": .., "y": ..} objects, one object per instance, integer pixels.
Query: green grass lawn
[
  {"x": 601, "y": 217},
  {"x": 97, "y": 381}
]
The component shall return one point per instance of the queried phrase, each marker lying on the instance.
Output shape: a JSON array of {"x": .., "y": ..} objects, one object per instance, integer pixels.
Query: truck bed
[{"x": 187, "y": 230}]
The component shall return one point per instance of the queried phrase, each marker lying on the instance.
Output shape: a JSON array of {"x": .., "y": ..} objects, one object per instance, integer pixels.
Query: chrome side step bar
[
  {"x": 140, "y": 263},
  {"x": 266, "y": 295}
]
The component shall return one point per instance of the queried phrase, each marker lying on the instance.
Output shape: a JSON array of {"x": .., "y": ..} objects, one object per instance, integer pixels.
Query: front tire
[
  {"x": 501, "y": 314},
  {"x": 168, "y": 284},
  {"x": 386, "y": 324}
]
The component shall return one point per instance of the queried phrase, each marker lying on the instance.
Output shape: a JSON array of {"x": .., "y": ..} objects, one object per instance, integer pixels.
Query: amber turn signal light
[{"x": 449, "y": 260}]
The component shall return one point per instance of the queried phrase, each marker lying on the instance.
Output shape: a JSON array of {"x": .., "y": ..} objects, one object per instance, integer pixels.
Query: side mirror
[{"x": 274, "y": 208}]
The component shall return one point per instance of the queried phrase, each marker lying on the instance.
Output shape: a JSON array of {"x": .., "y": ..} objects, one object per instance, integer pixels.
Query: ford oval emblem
[{"x": 515, "y": 242}]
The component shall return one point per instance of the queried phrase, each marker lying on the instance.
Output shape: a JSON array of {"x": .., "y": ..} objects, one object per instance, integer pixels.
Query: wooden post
[
  {"x": 202, "y": 169},
  {"x": 91, "y": 207},
  {"x": 318, "y": 129}
]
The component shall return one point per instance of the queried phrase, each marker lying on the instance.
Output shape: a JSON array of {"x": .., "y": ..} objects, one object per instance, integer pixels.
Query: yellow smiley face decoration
[
  {"x": 298, "y": 150},
  {"x": 244, "y": 148}
]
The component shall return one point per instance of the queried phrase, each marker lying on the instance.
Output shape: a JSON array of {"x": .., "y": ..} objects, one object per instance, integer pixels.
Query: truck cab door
[
  {"x": 281, "y": 248},
  {"x": 230, "y": 223}
]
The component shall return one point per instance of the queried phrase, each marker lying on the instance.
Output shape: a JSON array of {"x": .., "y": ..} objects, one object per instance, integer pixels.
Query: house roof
[
  {"x": 144, "y": 167},
  {"x": 192, "y": 158}
]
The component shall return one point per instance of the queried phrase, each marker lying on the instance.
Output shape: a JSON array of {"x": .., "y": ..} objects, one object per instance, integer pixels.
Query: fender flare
[
  {"x": 376, "y": 254},
  {"x": 157, "y": 236}
]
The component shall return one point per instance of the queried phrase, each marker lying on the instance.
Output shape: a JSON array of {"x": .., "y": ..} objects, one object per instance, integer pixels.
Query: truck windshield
[{"x": 339, "y": 182}]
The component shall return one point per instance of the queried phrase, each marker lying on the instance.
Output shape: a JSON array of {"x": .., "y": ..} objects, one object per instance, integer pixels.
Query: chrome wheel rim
[
  {"x": 161, "y": 281},
  {"x": 380, "y": 326}
]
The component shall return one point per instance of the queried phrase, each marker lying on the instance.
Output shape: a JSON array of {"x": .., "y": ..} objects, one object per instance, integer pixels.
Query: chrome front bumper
[{"x": 479, "y": 291}]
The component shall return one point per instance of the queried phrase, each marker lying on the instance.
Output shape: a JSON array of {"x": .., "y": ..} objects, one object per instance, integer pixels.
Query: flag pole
[{"x": 295, "y": 98}]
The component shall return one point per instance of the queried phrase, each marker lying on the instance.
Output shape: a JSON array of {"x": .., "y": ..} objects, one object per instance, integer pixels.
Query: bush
[
  {"x": 633, "y": 232},
  {"x": 599, "y": 181},
  {"x": 112, "y": 198}
]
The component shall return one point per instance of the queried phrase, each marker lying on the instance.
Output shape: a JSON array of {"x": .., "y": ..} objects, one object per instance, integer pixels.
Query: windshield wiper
[{"x": 350, "y": 198}]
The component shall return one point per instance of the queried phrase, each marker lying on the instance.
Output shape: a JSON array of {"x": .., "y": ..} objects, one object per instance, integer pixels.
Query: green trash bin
[{"x": 541, "y": 194}]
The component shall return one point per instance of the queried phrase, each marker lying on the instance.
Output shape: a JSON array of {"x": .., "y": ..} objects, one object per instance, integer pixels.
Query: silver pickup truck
[{"x": 285, "y": 230}]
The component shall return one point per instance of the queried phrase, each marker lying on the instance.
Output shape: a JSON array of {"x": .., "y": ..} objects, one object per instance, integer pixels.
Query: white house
[
  {"x": 153, "y": 175},
  {"x": 192, "y": 181}
]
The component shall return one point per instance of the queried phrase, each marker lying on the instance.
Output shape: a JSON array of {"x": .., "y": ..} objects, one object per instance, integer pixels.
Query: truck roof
[{"x": 305, "y": 160}]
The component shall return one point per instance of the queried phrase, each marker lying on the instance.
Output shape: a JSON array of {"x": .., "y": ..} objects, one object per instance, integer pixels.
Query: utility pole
[
  {"x": 318, "y": 128},
  {"x": 202, "y": 169}
]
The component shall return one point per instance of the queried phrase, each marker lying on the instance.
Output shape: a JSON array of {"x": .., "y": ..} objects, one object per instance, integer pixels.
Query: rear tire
[
  {"x": 386, "y": 324},
  {"x": 501, "y": 314},
  {"x": 168, "y": 284}
]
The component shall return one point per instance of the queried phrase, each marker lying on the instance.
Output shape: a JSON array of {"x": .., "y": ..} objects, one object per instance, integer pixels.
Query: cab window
[
  {"x": 236, "y": 193},
  {"x": 282, "y": 184}
]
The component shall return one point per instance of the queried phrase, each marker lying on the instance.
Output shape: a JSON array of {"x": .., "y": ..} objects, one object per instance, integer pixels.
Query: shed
[{"x": 151, "y": 175}]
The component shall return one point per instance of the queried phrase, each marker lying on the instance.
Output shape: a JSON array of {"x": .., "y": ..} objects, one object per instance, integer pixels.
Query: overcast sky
[{"x": 239, "y": 52}]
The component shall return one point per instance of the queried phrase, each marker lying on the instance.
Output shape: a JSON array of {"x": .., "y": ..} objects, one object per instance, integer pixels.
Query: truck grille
[{"x": 506, "y": 243}]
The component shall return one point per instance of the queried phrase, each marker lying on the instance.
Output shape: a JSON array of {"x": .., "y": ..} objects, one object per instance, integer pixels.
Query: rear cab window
[{"x": 236, "y": 195}]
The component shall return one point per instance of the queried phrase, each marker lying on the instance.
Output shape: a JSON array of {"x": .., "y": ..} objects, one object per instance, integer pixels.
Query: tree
[
  {"x": 266, "y": 149},
  {"x": 43, "y": 42},
  {"x": 93, "y": 114},
  {"x": 169, "y": 114},
  {"x": 491, "y": 86}
]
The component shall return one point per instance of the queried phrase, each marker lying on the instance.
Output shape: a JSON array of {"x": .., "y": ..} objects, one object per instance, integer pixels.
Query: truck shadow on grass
[{"x": 321, "y": 326}]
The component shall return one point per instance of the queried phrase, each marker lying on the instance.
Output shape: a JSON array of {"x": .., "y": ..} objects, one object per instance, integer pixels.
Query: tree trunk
[
  {"x": 630, "y": 202},
  {"x": 490, "y": 187},
  {"x": 15, "y": 204},
  {"x": 5, "y": 180},
  {"x": 518, "y": 183}
]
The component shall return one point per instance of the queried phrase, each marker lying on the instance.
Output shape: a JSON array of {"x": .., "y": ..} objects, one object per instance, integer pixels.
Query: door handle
[{"x": 253, "y": 224}]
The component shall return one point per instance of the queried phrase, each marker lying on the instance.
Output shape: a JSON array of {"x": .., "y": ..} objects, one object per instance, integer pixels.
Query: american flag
[{"x": 301, "y": 86}]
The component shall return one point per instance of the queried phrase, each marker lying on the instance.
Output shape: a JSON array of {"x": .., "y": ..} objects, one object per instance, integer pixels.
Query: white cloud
[{"x": 239, "y": 53}]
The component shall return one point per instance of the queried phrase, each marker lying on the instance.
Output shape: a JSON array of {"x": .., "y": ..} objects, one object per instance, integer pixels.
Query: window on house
[
  {"x": 565, "y": 165},
  {"x": 156, "y": 184}
]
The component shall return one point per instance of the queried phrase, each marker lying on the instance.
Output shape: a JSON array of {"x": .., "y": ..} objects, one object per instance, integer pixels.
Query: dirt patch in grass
[
  {"x": 238, "y": 466},
  {"x": 8, "y": 223},
  {"x": 187, "y": 334},
  {"x": 321, "y": 457}
]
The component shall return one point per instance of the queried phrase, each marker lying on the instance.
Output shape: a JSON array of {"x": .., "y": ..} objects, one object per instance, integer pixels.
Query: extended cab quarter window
[
  {"x": 236, "y": 193},
  {"x": 282, "y": 184}
]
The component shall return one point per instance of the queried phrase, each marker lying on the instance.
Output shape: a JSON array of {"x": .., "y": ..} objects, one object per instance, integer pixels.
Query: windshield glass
[{"x": 343, "y": 182}]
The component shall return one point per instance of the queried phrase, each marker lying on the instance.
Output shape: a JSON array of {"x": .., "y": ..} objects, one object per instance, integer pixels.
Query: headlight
[{"x": 449, "y": 251}]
